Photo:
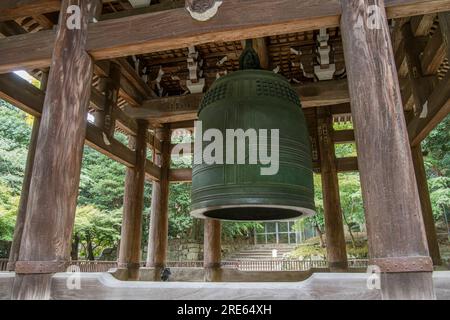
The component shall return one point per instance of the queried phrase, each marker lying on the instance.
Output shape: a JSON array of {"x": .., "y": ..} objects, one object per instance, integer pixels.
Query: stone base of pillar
[
  {"x": 150, "y": 274},
  {"x": 130, "y": 273},
  {"x": 120, "y": 274},
  {"x": 213, "y": 274}
]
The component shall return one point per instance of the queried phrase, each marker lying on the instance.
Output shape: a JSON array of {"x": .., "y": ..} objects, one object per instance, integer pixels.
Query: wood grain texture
[
  {"x": 158, "y": 229},
  {"x": 13, "y": 9},
  {"x": 22, "y": 210},
  {"x": 133, "y": 205},
  {"x": 56, "y": 171},
  {"x": 438, "y": 107},
  {"x": 212, "y": 250},
  {"x": 420, "y": 89},
  {"x": 425, "y": 202},
  {"x": 391, "y": 201},
  {"x": 334, "y": 227},
  {"x": 175, "y": 28}
]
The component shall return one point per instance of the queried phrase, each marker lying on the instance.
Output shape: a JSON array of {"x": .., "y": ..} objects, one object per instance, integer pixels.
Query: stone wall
[{"x": 182, "y": 250}]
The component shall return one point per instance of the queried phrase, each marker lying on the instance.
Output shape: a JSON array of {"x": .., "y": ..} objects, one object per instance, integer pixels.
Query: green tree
[{"x": 95, "y": 230}]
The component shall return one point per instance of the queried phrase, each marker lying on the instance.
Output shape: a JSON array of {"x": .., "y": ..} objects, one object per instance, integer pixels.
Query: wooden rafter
[{"x": 12, "y": 9}]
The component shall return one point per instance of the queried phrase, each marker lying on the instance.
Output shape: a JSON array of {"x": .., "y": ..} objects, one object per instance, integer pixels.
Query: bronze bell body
[{"x": 249, "y": 102}]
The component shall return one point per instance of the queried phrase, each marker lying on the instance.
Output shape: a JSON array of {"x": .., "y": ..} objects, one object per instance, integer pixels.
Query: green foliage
[
  {"x": 436, "y": 149},
  {"x": 102, "y": 181},
  {"x": 97, "y": 229},
  {"x": 314, "y": 249},
  {"x": 351, "y": 199},
  {"x": 8, "y": 210}
]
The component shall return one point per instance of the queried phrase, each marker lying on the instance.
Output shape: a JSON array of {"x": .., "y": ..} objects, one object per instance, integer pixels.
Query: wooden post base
[
  {"x": 32, "y": 286},
  {"x": 150, "y": 273},
  {"x": 213, "y": 274},
  {"x": 407, "y": 286}
]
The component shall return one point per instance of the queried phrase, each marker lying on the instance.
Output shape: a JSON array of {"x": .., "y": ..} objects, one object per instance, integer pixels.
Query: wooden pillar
[
  {"x": 395, "y": 230},
  {"x": 425, "y": 202},
  {"x": 212, "y": 250},
  {"x": 133, "y": 204},
  {"x": 158, "y": 230},
  {"x": 22, "y": 211},
  {"x": 110, "y": 86},
  {"x": 334, "y": 227},
  {"x": 45, "y": 245}
]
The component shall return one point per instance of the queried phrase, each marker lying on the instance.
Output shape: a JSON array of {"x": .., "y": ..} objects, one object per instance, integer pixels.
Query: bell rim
[{"x": 304, "y": 212}]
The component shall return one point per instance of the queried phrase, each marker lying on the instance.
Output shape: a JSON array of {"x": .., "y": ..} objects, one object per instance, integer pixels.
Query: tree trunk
[
  {"x": 75, "y": 244},
  {"x": 89, "y": 247},
  {"x": 322, "y": 243}
]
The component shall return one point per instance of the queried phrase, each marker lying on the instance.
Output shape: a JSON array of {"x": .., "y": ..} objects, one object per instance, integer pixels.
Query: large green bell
[{"x": 255, "y": 100}]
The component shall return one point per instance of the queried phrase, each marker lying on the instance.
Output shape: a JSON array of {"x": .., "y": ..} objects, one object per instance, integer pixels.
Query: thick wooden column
[
  {"x": 427, "y": 211},
  {"x": 395, "y": 230},
  {"x": 212, "y": 250},
  {"x": 334, "y": 227},
  {"x": 22, "y": 211},
  {"x": 133, "y": 204},
  {"x": 45, "y": 245},
  {"x": 159, "y": 223}
]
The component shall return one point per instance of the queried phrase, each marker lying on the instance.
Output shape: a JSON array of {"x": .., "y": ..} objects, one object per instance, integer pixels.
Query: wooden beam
[
  {"x": 13, "y": 9},
  {"x": 22, "y": 94},
  {"x": 180, "y": 175},
  {"x": 433, "y": 54},
  {"x": 421, "y": 25},
  {"x": 127, "y": 90},
  {"x": 30, "y": 99},
  {"x": 129, "y": 73},
  {"x": 175, "y": 28},
  {"x": 343, "y": 136},
  {"x": 437, "y": 108},
  {"x": 425, "y": 202},
  {"x": 348, "y": 164},
  {"x": 184, "y": 108}
]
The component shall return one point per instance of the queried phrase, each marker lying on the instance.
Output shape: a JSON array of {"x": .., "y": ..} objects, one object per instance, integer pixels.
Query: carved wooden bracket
[{"x": 203, "y": 10}]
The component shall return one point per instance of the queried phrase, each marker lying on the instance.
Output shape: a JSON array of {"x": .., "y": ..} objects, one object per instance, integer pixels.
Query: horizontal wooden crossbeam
[
  {"x": 30, "y": 99},
  {"x": 175, "y": 28},
  {"x": 183, "y": 108}
]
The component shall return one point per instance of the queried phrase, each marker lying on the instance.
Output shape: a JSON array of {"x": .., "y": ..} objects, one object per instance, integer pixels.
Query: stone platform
[{"x": 340, "y": 286}]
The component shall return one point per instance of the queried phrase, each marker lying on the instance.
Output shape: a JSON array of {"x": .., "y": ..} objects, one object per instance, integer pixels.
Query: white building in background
[{"x": 283, "y": 232}]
